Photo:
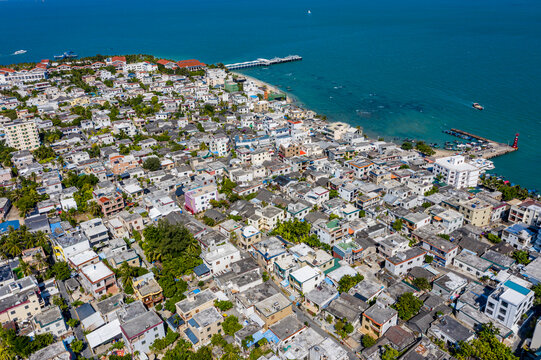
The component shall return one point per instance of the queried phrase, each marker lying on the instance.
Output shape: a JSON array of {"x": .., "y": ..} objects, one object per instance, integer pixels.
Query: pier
[
  {"x": 492, "y": 148},
  {"x": 263, "y": 62}
]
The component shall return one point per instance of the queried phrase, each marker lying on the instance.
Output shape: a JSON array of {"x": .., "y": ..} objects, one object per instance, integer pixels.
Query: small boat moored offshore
[
  {"x": 19, "y": 52},
  {"x": 67, "y": 55},
  {"x": 477, "y": 106}
]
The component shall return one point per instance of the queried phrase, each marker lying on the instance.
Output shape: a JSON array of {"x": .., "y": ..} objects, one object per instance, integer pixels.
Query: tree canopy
[
  {"x": 152, "y": 164},
  {"x": 231, "y": 325},
  {"x": 348, "y": 281},
  {"x": 408, "y": 306},
  {"x": 485, "y": 347}
]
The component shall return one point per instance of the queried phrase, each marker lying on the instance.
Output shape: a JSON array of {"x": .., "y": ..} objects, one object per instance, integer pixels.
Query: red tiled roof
[
  {"x": 163, "y": 61},
  {"x": 189, "y": 63},
  {"x": 7, "y": 70},
  {"x": 118, "y": 58}
]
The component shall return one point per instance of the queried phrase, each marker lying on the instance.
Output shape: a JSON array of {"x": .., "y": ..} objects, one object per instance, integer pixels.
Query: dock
[
  {"x": 263, "y": 62},
  {"x": 493, "y": 148}
]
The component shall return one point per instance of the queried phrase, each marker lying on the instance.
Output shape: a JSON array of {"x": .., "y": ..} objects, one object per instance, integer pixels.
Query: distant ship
[
  {"x": 477, "y": 106},
  {"x": 19, "y": 52},
  {"x": 309, "y": 12},
  {"x": 67, "y": 55}
]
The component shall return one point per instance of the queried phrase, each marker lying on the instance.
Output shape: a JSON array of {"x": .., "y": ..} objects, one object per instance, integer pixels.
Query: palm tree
[
  {"x": 11, "y": 248},
  {"x": 25, "y": 268}
]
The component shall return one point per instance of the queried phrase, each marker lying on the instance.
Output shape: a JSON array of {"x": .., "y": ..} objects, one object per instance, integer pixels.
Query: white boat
[
  {"x": 19, "y": 52},
  {"x": 309, "y": 12}
]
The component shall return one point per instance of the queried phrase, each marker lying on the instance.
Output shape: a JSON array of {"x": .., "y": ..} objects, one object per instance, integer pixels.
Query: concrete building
[
  {"x": 198, "y": 200},
  {"x": 512, "y": 298},
  {"x": 22, "y": 135},
  {"x": 98, "y": 279},
  {"x": 306, "y": 279},
  {"x": 476, "y": 211},
  {"x": 456, "y": 172},
  {"x": 140, "y": 327},
  {"x": 203, "y": 325},
  {"x": 19, "y": 300},
  {"x": 377, "y": 320},
  {"x": 404, "y": 261},
  {"x": 50, "y": 321},
  {"x": 219, "y": 258}
]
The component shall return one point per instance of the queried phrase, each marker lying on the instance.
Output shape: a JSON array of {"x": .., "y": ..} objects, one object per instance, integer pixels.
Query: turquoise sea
[{"x": 397, "y": 68}]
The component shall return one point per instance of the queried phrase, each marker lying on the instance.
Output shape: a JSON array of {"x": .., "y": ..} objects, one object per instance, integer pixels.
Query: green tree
[
  {"x": 368, "y": 341},
  {"x": 493, "y": 238},
  {"x": 429, "y": 259},
  {"x": 348, "y": 281},
  {"x": 72, "y": 323},
  {"x": 61, "y": 271},
  {"x": 407, "y": 306},
  {"x": 521, "y": 257},
  {"x": 485, "y": 347},
  {"x": 77, "y": 346},
  {"x": 422, "y": 283},
  {"x": 397, "y": 225},
  {"x": 390, "y": 353},
  {"x": 223, "y": 305},
  {"x": 333, "y": 194},
  {"x": 152, "y": 164},
  {"x": 231, "y": 325},
  {"x": 407, "y": 145}
]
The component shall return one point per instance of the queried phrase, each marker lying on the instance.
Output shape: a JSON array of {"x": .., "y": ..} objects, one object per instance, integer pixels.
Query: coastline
[{"x": 289, "y": 98}]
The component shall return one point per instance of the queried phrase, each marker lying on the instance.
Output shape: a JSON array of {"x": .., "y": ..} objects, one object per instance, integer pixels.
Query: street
[{"x": 78, "y": 329}]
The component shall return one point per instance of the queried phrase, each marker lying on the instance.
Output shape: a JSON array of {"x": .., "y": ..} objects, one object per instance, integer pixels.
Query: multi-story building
[
  {"x": 22, "y": 135},
  {"x": 98, "y": 279},
  {"x": 111, "y": 203},
  {"x": 404, "y": 261},
  {"x": 527, "y": 212},
  {"x": 519, "y": 235},
  {"x": 219, "y": 145},
  {"x": 249, "y": 235},
  {"x": 456, "y": 172},
  {"x": 347, "y": 250},
  {"x": 443, "y": 251},
  {"x": 267, "y": 218},
  {"x": 305, "y": 279},
  {"x": 476, "y": 211},
  {"x": 13, "y": 76},
  {"x": 195, "y": 303},
  {"x": 20, "y": 300},
  {"x": 140, "y": 327},
  {"x": 509, "y": 301},
  {"x": 219, "y": 258},
  {"x": 50, "y": 321},
  {"x": 95, "y": 231},
  {"x": 147, "y": 290},
  {"x": 198, "y": 200},
  {"x": 330, "y": 232},
  {"x": 376, "y": 320},
  {"x": 203, "y": 325},
  {"x": 289, "y": 150}
]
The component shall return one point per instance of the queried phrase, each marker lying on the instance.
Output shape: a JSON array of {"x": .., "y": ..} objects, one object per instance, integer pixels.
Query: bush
[
  {"x": 223, "y": 305},
  {"x": 368, "y": 341}
]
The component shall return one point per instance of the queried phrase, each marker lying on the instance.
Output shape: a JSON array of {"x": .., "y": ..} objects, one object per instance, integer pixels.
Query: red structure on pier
[{"x": 515, "y": 143}]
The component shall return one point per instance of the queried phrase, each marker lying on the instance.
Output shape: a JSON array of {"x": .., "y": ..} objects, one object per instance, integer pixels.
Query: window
[
  {"x": 504, "y": 304},
  {"x": 501, "y": 318}
]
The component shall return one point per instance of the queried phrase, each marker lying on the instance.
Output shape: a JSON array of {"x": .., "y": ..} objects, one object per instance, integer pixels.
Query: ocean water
[{"x": 397, "y": 68}]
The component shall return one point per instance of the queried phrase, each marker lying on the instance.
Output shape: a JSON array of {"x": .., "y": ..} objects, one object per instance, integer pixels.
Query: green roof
[{"x": 333, "y": 223}]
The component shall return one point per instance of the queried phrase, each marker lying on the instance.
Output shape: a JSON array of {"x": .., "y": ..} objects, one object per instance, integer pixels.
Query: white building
[
  {"x": 97, "y": 279},
  {"x": 219, "y": 258},
  {"x": 50, "y": 321},
  {"x": 306, "y": 279},
  {"x": 404, "y": 261},
  {"x": 219, "y": 145},
  {"x": 140, "y": 328},
  {"x": 509, "y": 301},
  {"x": 456, "y": 172},
  {"x": 22, "y": 135}
]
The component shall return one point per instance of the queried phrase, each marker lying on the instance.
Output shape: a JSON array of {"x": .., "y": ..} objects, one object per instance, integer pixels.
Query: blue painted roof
[
  {"x": 84, "y": 311},
  {"x": 517, "y": 228},
  {"x": 4, "y": 227},
  {"x": 191, "y": 336},
  {"x": 518, "y": 288}
]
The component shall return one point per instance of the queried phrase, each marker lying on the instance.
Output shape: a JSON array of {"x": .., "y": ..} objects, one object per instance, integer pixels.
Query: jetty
[
  {"x": 263, "y": 62},
  {"x": 492, "y": 148}
]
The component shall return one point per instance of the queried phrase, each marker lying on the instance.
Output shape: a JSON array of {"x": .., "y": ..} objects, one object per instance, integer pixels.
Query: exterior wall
[
  {"x": 405, "y": 266},
  {"x": 22, "y": 311},
  {"x": 371, "y": 328},
  {"x": 277, "y": 316},
  {"x": 22, "y": 135},
  {"x": 143, "y": 341}
]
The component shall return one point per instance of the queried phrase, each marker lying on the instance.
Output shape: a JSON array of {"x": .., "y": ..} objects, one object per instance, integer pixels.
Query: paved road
[{"x": 78, "y": 330}]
